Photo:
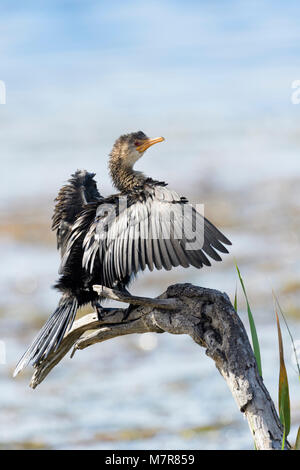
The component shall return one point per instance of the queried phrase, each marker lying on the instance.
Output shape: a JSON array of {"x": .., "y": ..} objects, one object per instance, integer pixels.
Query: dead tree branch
[{"x": 209, "y": 318}]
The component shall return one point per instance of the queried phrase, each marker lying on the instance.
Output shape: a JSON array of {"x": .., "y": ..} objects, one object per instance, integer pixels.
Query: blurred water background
[{"x": 216, "y": 82}]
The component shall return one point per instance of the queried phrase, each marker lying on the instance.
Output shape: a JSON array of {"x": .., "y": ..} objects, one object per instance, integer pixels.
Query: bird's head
[{"x": 130, "y": 147}]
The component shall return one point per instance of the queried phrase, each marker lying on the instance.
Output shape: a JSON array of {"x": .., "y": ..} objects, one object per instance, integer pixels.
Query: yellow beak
[{"x": 147, "y": 143}]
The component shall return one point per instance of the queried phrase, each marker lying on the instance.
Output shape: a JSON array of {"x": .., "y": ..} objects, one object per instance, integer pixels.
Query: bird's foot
[
  {"x": 128, "y": 311},
  {"x": 101, "y": 311}
]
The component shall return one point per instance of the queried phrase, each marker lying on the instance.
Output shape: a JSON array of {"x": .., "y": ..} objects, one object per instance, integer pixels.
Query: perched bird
[{"x": 108, "y": 240}]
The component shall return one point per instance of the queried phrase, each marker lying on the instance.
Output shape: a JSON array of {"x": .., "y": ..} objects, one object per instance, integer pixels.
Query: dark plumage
[{"x": 108, "y": 240}]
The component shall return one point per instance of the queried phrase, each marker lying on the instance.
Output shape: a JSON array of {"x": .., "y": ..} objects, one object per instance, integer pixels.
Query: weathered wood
[
  {"x": 209, "y": 318},
  {"x": 113, "y": 294}
]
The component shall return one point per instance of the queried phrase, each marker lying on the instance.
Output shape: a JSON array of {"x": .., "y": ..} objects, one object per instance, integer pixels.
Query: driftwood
[{"x": 209, "y": 318}]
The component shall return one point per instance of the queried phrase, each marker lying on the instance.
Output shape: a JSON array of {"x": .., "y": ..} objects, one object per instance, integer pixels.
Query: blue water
[{"x": 215, "y": 82}]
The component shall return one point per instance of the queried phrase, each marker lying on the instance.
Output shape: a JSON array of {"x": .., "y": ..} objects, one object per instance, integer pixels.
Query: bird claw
[
  {"x": 100, "y": 311},
  {"x": 128, "y": 311}
]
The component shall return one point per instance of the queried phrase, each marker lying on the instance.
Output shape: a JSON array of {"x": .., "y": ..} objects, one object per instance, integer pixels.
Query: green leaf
[
  {"x": 297, "y": 443},
  {"x": 255, "y": 342},
  {"x": 289, "y": 332},
  {"x": 283, "y": 387},
  {"x": 235, "y": 299},
  {"x": 283, "y": 439}
]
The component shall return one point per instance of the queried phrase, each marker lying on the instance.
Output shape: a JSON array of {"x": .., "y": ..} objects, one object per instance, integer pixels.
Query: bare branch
[
  {"x": 209, "y": 318},
  {"x": 114, "y": 294}
]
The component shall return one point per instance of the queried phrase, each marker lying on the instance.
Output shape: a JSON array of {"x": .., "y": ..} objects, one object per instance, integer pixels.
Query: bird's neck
[{"x": 124, "y": 177}]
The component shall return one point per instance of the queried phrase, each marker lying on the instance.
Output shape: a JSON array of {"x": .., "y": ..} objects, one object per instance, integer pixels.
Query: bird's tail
[{"x": 50, "y": 336}]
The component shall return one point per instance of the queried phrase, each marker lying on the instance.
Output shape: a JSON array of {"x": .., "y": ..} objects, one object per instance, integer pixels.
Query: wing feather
[{"x": 160, "y": 229}]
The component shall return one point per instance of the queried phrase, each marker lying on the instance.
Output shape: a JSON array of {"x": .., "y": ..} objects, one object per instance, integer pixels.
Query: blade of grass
[
  {"x": 283, "y": 386},
  {"x": 235, "y": 299},
  {"x": 289, "y": 332},
  {"x": 283, "y": 439},
  {"x": 254, "y": 336},
  {"x": 297, "y": 443}
]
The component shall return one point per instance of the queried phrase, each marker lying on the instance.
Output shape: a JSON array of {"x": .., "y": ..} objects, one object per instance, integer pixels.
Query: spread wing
[
  {"x": 159, "y": 230},
  {"x": 72, "y": 197}
]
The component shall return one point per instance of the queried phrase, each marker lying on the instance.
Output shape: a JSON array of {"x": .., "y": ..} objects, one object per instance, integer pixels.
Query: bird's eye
[{"x": 136, "y": 143}]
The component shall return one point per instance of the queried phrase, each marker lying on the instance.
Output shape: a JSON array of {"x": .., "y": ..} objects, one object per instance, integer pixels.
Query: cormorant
[{"x": 107, "y": 241}]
